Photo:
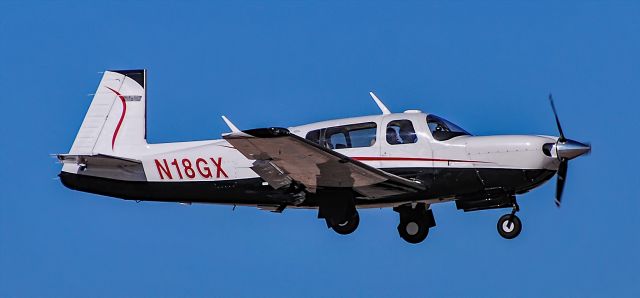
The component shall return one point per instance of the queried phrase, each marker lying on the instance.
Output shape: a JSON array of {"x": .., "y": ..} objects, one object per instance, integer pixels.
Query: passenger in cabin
[
  {"x": 392, "y": 136},
  {"x": 407, "y": 134}
]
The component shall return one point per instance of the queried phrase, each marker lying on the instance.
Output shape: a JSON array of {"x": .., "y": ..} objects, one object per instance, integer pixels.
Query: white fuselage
[{"x": 215, "y": 160}]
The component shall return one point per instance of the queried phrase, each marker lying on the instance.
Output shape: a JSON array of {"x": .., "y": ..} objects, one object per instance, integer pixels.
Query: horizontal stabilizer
[
  {"x": 105, "y": 166},
  {"x": 96, "y": 160}
]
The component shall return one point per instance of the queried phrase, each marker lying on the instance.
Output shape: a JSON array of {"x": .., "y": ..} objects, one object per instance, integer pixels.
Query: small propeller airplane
[{"x": 405, "y": 161}]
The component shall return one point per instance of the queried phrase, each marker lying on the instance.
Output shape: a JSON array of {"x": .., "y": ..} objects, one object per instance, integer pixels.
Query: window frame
[
  {"x": 442, "y": 136},
  {"x": 323, "y": 138},
  {"x": 391, "y": 124}
]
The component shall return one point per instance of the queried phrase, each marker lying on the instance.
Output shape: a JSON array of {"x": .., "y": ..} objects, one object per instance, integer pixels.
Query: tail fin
[{"x": 116, "y": 119}]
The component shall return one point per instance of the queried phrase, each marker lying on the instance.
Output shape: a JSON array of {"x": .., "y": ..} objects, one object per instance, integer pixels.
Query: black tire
[
  {"x": 413, "y": 230},
  {"x": 509, "y": 226},
  {"x": 349, "y": 226}
]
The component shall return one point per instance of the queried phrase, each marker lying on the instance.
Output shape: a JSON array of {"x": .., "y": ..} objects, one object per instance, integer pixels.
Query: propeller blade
[
  {"x": 555, "y": 113},
  {"x": 562, "y": 177}
]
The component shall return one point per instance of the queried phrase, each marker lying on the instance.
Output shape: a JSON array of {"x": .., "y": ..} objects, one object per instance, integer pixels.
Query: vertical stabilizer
[{"x": 116, "y": 119}]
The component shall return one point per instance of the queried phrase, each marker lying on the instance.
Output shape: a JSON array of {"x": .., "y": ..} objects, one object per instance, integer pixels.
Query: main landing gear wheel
[
  {"x": 415, "y": 222},
  {"x": 509, "y": 226},
  {"x": 348, "y": 226},
  {"x": 414, "y": 230}
]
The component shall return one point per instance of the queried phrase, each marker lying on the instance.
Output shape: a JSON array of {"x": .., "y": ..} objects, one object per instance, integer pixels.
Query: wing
[{"x": 282, "y": 157}]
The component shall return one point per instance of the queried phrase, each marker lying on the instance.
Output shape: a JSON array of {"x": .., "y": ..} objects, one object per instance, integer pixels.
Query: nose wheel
[{"x": 509, "y": 225}]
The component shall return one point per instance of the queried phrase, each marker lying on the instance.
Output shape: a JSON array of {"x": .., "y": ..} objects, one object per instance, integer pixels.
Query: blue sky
[{"x": 486, "y": 66}]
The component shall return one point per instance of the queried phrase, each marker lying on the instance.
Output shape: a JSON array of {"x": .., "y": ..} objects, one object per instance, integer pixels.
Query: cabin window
[
  {"x": 401, "y": 132},
  {"x": 338, "y": 139},
  {"x": 345, "y": 136},
  {"x": 314, "y": 136},
  {"x": 443, "y": 130}
]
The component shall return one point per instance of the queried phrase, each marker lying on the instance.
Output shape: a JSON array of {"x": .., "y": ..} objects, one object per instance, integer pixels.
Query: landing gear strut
[
  {"x": 415, "y": 221},
  {"x": 509, "y": 225}
]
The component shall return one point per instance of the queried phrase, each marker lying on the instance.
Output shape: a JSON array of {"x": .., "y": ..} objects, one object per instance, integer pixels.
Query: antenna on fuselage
[
  {"x": 383, "y": 108},
  {"x": 234, "y": 129},
  {"x": 230, "y": 124}
]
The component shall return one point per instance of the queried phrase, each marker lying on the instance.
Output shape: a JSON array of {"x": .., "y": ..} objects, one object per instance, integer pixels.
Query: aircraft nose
[{"x": 570, "y": 149}]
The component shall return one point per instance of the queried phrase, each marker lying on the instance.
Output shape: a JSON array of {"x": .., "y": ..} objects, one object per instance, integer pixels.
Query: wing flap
[{"x": 271, "y": 173}]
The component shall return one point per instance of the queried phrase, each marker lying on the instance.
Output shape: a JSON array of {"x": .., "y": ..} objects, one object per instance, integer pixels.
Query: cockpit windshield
[{"x": 443, "y": 130}]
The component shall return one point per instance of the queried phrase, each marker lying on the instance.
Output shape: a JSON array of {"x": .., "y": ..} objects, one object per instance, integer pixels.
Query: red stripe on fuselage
[
  {"x": 124, "y": 111},
  {"x": 381, "y": 158}
]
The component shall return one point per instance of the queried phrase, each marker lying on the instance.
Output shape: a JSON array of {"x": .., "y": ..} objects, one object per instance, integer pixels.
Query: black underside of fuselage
[{"x": 442, "y": 183}]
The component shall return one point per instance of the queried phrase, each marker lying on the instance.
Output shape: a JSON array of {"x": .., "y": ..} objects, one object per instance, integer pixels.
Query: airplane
[{"x": 405, "y": 161}]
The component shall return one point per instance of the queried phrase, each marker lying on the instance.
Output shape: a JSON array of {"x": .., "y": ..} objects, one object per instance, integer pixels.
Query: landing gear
[
  {"x": 509, "y": 225},
  {"x": 415, "y": 221},
  {"x": 337, "y": 207},
  {"x": 347, "y": 226},
  {"x": 413, "y": 231}
]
